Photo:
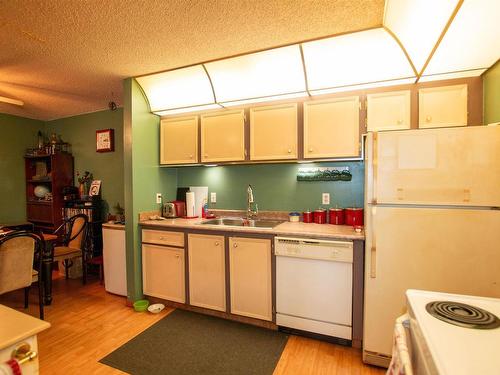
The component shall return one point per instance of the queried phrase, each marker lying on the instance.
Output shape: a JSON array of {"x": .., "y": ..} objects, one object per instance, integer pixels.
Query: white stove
[{"x": 439, "y": 345}]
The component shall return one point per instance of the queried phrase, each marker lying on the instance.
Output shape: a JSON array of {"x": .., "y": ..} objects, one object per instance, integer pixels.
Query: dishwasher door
[{"x": 314, "y": 286}]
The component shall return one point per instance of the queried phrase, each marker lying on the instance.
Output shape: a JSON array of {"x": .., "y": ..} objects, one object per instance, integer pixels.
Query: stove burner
[{"x": 462, "y": 315}]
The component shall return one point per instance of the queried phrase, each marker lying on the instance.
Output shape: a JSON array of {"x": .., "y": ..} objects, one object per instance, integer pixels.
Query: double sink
[{"x": 240, "y": 222}]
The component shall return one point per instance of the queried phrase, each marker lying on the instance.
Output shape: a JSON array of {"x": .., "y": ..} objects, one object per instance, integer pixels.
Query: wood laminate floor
[{"x": 88, "y": 323}]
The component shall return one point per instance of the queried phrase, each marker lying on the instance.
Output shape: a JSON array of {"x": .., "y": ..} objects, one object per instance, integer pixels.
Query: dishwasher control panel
[{"x": 337, "y": 251}]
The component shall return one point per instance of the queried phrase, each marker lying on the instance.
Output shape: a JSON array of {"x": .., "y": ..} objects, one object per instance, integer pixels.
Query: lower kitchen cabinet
[
  {"x": 250, "y": 277},
  {"x": 163, "y": 274},
  {"x": 207, "y": 275}
]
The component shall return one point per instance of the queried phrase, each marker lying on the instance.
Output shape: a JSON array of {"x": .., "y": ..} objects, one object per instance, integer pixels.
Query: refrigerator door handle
[
  {"x": 373, "y": 246},
  {"x": 373, "y": 262}
]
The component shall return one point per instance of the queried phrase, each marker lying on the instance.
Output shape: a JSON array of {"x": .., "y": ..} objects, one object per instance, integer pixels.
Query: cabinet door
[
  {"x": 179, "y": 140},
  {"x": 389, "y": 110},
  {"x": 250, "y": 277},
  {"x": 163, "y": 272},
  {"x": 207, "y": 275},
  {"x": 223, "y": 136},
  {"x": 331, "y": 128},
  {"x": 273, "y": 132},
  {"x": 442, "y": 106}
]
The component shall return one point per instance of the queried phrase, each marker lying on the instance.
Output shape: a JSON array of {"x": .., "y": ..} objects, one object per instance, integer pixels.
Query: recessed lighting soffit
[{"x": 420, "y": 40}]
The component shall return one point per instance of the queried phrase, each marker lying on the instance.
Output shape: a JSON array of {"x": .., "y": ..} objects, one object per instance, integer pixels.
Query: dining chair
[
  {"x": 73, "y": 243},
  {"x": 21, "y": 264}
]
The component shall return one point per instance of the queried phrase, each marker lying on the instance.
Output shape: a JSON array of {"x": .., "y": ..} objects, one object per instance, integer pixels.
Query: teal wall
[
  {"x": 80, "y": 131},
  {"x": 142, "y": 176},
  {"x": 275, "y": 185},
  {"x": 17, "y": 134},
  {"x": 491, "y": 92}
]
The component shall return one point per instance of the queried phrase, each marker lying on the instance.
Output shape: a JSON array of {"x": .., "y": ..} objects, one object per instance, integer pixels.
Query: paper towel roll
[
  {"x": 190, "y": 203},
  {"x": 200, "y": 197}
]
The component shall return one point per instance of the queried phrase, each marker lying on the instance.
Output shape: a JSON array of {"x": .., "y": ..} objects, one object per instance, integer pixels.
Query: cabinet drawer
[
  {"x": 163, "y": 237},
  {"x": 40, "y": 212}
]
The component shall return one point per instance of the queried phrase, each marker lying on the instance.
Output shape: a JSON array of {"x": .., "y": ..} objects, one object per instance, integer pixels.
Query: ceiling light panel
[
  {"x": 418, "y": 25},
  {"x": 180, "y": 88},
  {"x": 472, "y": 41},
  {"x": 263, "y": 74},
  {"x": 353, "y": 59}
]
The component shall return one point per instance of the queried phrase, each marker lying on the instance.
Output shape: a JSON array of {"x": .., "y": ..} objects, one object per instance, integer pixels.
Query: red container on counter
[
  {"x": 319, "y": 216},
  {"x": 354, "y": 216},
  {"x": 307, "y": 216},
  {"x": 336, "y": 216}
]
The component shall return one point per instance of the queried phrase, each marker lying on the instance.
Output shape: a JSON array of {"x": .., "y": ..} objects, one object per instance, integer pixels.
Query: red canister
[
  {"x": 319, "y": 216},
  {"x": 336, "y": 216},
  {"x": 307, "y": 216},
  {"x": 354, "y": 216}
]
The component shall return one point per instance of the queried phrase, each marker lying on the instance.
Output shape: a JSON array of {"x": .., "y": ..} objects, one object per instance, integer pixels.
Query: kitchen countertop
[
  {"x": 16, "y": 326},
  {"x": 286, "y": 228},
  {"x": 114, "y": 226}
]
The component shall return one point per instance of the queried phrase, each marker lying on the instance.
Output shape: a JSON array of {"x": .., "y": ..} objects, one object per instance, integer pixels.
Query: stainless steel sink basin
[{"x": 238, "y": 222}]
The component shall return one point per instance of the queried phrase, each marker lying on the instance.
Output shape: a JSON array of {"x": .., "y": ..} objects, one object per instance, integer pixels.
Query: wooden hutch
[{"x": 52, "y": 172}]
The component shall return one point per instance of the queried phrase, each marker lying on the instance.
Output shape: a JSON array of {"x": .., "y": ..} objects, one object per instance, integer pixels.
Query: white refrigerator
[{"x": 432, "y": 218}]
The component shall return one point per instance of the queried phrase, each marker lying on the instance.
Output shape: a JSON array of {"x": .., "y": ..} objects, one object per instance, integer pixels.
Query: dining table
[{"x": 47, "y": 260}]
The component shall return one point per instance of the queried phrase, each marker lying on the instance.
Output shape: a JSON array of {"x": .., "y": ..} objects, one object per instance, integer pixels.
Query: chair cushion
[{"x": 64, "y": 252}]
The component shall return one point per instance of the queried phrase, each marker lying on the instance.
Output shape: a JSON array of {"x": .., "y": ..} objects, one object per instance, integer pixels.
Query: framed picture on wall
[{"x": 105, "y": 140}]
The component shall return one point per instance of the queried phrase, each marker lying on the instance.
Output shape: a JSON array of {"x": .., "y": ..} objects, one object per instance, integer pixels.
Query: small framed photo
[{"x": 105, "y": 140}]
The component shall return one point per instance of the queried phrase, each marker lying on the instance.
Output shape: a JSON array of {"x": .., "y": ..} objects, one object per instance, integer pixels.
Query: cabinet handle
[
  {"x": 289, "y": 151},
  {"x": 23, "y": 353},
  {"x": 400, "y": 122},
  {"x": 235, "y": 244},
  {"x": 428, "y": 118},
  {"x": 177, "y": 255},
  {"x": 311, "y": 150},
  {"x": 190, "y": 156},
  {"x": 162, "y": 238},
  {"x": 216, "y": 243},
  {"x": 206, "y": 155}
]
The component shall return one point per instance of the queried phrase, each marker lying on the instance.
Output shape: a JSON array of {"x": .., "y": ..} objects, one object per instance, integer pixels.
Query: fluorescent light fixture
[
  {"x": 187, "y": 109},
  {"x": 4, "y": 99},
  {"x": 357, "y": 58},
  {"x": 269, "y": 73},
  {"x": 180, "y": 88},
  {"x": 210, "y": 165},
  {"x": 472, "y": 40},
  {"x": 265, "y": 99},
  {"x": 394, "y": 82},
  {"x": 453, "y": 75},
  {"x": 418, "y": 25}
]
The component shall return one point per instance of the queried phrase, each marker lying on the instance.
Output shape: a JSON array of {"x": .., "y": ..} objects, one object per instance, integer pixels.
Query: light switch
[
  {"x": 325, "y": 198},
  {"x": 213, "y": 197},
  {"x": 158, "y": 198}
]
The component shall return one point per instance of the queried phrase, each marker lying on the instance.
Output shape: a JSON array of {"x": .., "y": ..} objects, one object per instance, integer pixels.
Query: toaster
[{"x": 174, "y": 209}]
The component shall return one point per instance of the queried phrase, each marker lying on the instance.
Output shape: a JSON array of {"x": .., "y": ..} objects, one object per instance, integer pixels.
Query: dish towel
[
  {"x": 11, "y": 367},
  {"x": 400, "y": 363}
]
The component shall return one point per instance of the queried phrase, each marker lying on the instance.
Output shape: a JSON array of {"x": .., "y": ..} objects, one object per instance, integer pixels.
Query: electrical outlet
[
  {"x": 158, "y": 198},
  {"x": 213, "y": 197},
  {"x": 325, "y": 198}
]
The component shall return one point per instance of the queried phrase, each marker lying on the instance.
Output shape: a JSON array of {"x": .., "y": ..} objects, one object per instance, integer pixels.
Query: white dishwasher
[{"x": 314, "y": 286}]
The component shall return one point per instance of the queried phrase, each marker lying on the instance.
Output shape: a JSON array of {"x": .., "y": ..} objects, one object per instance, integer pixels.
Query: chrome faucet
[{"x": 251, "y": 213}]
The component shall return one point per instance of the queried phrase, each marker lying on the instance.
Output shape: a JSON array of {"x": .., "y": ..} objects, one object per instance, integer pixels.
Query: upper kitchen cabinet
[
  {"x": 273, "y": 132},
  {"x": 388, "y": 111},
  {"x": 223, "y": 136},
  {"x": 442, "y": 106},
  {"x": 179, "y": 140},
  {"x": 331, "y": 128}
]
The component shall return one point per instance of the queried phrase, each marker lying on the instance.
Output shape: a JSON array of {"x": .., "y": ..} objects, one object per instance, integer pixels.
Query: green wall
[
  {"x": 275, "y": 186},
  {"x": 142, "y": 176},
  {"x": 17, "y": 134},
  {"x": 491, "y": 90},
  {"x": 80, "y": 131}
]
